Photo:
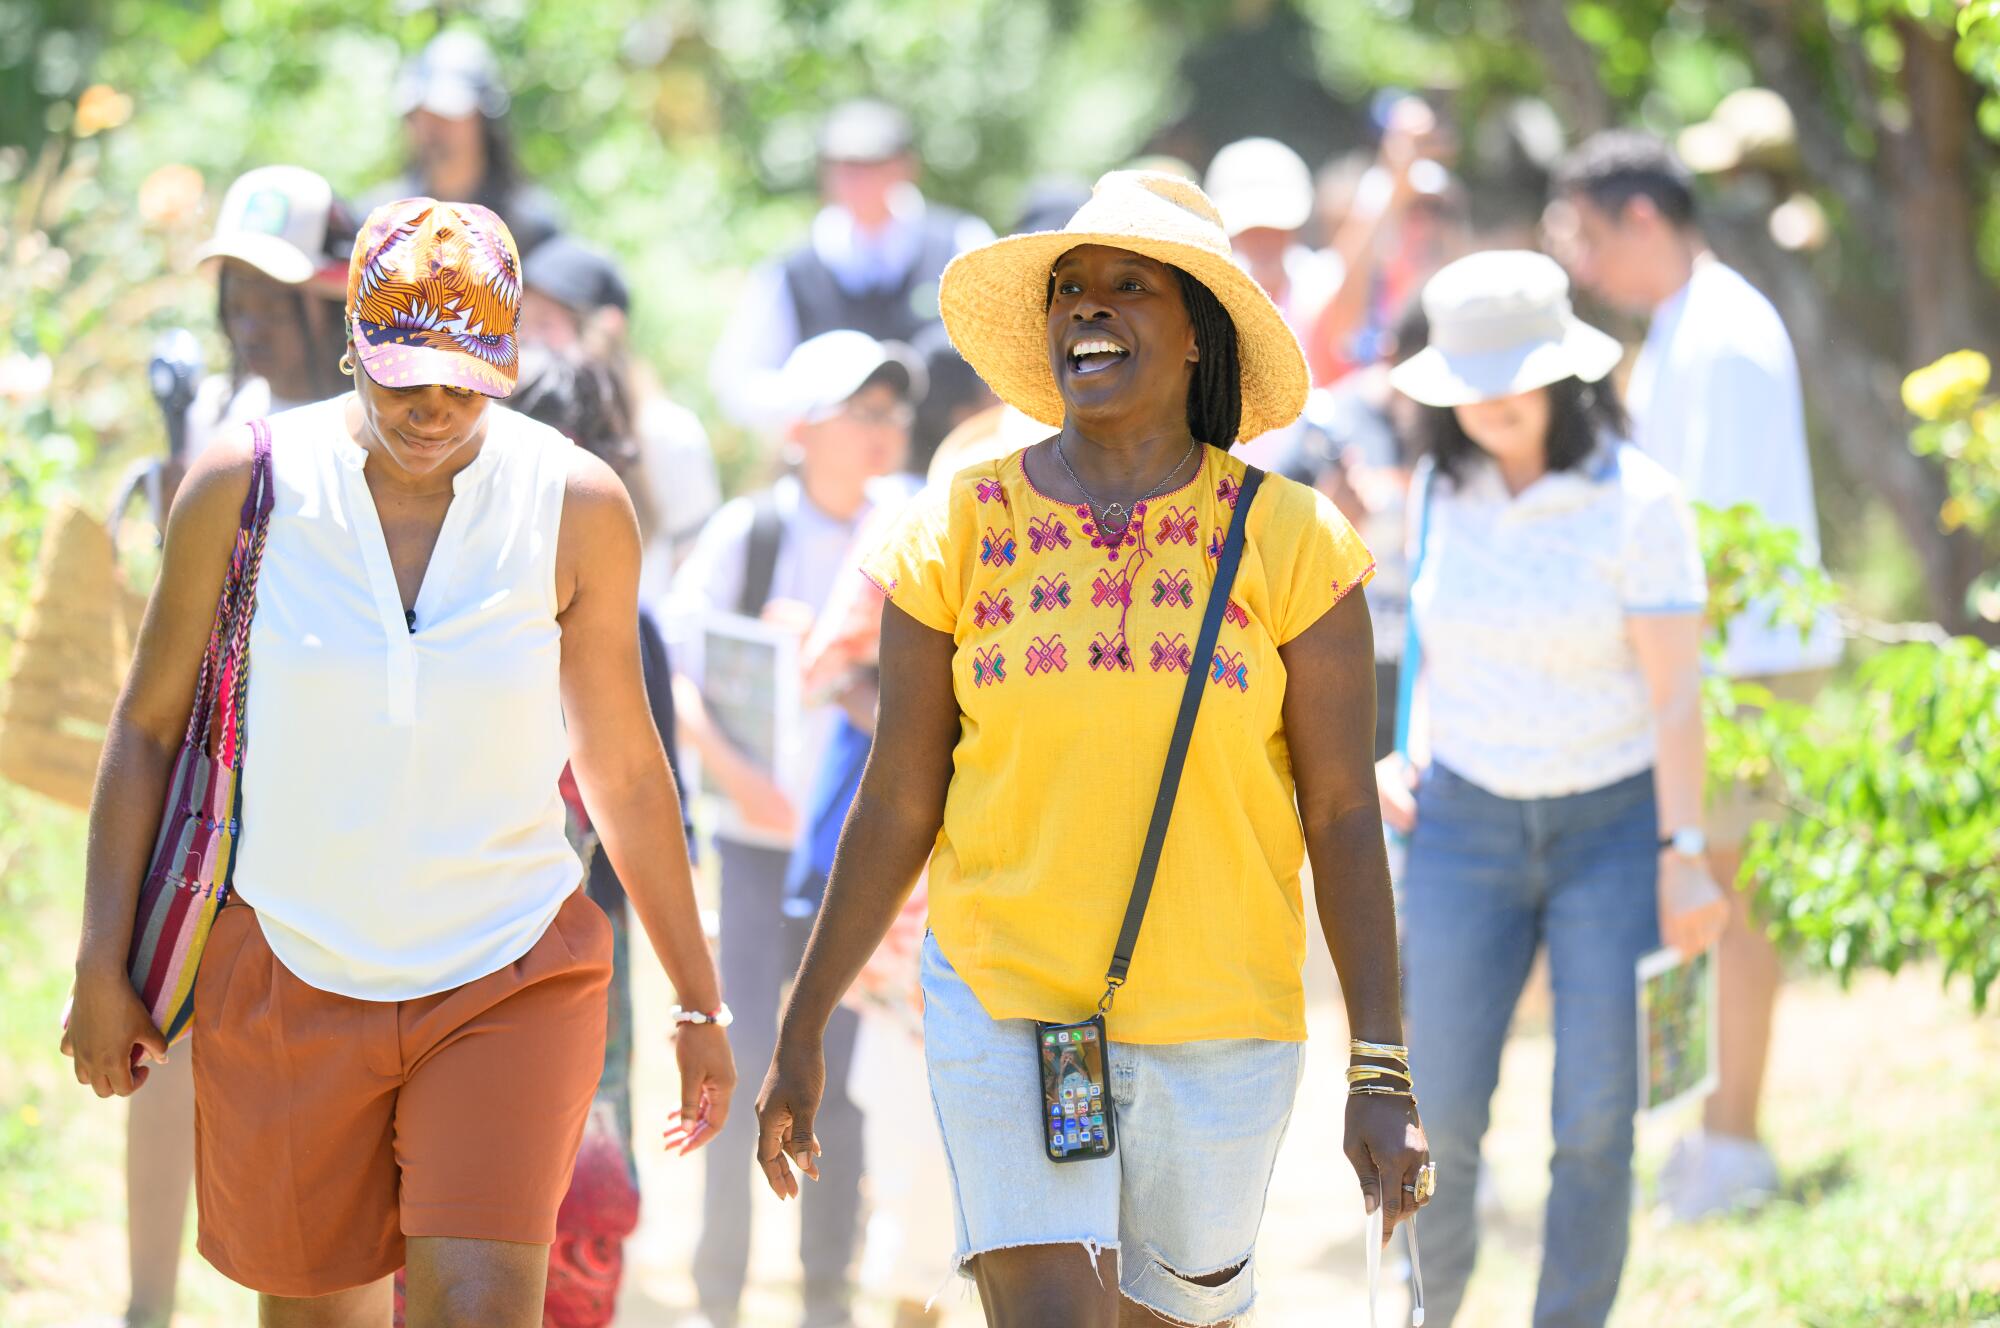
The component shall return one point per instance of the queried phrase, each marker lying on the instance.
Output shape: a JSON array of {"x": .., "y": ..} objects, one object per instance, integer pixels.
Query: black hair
[
  {"x": 1618, "y": 165},
  {"x": 1580, "y": 415},
  {"x": 322, "y": 350},
  {"x": 587, "y": 399},
  {"x": 1215, "y": 391}
]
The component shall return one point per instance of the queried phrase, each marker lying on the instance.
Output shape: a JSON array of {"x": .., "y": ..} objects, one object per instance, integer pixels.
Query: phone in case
[{"x": 1078, "y": 1123}]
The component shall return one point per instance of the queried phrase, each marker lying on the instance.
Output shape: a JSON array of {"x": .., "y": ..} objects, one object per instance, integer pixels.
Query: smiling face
[
  {"x": 422, "y": 431},
  {"x": 1120, "y": 340},
  {"x": 1513, "y": 430}
]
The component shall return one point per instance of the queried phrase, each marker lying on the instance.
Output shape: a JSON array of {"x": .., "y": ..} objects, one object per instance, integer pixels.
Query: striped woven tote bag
[{"x": 187, "y": 879}]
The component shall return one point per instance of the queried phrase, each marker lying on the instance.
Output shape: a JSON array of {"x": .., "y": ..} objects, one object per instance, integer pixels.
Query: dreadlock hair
[{"x": 1215, "y": 389}]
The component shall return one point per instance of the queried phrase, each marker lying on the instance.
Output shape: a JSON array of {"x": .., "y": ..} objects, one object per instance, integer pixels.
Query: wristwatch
[
  {"x": 1688, "y": 841},
  {"x": 720, "y": 1016}
]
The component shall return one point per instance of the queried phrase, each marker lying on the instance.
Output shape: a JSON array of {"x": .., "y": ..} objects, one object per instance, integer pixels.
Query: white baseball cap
[
  {"x": 275, "y": 219},
  {"x": 1259, "y": 182},
  {"x": 823, "y": 372},
  {"x": 1501, "y": 323}
]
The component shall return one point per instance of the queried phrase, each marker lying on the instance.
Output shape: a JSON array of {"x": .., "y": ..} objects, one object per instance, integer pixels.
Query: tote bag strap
[
  {"x": 1177, "y": 750},
  {"x": 1413, "y": 650},
  {"x": 224, "y": 663}
]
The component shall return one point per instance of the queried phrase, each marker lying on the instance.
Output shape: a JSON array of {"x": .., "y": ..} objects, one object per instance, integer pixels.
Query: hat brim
[
  {"x": 277, "y": 258},
  {"x": 1433, "y": 377},
  {"x": 402, "y": 357},
  {"x": 993, "y": 298}
]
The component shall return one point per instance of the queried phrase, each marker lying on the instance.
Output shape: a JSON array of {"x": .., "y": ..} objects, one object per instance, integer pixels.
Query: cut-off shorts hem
[{"x": 1169, "y": 1292}]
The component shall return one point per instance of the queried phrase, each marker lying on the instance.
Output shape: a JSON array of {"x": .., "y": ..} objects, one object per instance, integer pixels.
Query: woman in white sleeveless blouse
[{"x": 402, "y": 1009}]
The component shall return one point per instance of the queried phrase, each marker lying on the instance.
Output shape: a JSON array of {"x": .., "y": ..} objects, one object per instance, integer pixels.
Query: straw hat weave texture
[{"x": 993, "y": 296}]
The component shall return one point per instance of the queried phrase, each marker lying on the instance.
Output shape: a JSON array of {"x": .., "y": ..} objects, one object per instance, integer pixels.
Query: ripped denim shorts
[{"x": 1199, "y": 1125}]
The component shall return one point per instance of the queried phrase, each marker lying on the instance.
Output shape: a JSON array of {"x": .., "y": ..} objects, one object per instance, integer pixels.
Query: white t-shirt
[
  {"x": 217, "y": 408},
  {"x": 679, "y": 469},
  {"x": 1521, "y": 603},
  {"x": 402, "y": 830},
  {"x": 1715, "y": 398}
]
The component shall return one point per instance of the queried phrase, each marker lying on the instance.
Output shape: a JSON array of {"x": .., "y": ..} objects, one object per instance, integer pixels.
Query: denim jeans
[
  {"x": 1489, "y": 880},
  {"x": 761, "y": 948}
]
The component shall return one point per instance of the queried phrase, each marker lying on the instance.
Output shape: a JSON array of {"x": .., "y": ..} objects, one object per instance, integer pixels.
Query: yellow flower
[
  {"x": 170, "y": 196},
  {"x": 30, "y": 1117},
  {"x": 1947, "y": 387},
  {"x": 101, "y": 107},
  {"x": 1955, "y": 513}
]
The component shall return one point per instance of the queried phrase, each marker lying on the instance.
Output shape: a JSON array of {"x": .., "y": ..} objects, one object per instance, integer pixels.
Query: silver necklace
[{"x": 1119, "y": 513}]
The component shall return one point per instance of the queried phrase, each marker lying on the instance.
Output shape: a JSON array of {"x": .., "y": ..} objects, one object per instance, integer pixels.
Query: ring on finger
[{"x": 1426, "y": 1185}]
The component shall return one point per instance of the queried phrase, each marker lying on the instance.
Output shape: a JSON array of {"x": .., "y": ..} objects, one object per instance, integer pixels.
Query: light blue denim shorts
[{"x": 1199, "y": 1126}]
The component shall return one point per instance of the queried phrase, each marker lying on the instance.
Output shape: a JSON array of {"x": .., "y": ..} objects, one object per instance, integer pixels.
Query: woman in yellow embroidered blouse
[{"x": 1039, "y": 635}]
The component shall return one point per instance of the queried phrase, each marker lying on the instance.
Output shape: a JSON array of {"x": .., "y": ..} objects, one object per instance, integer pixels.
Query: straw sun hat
[
  {"x": 993, "y": 297},
  {"x": 1501, "y": 324}
]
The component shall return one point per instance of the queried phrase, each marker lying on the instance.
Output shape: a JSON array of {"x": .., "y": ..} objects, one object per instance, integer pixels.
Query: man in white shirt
[
  {"x": 871, "y": 262},
  {"x": 1715, "y": 397},
  {"x": 774, "y": 555}
]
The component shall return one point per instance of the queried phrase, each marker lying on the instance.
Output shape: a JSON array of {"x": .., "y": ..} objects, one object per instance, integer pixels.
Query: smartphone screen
[{"x": 1076, "y": 1097}]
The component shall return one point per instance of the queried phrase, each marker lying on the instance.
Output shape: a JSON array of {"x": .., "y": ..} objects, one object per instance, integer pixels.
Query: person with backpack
[
  {"x": 772, "y": 555},
  {"x": 870, "y": 264}
]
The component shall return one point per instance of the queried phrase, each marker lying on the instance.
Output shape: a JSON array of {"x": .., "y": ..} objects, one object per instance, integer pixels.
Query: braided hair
[{"x": 1215, "y": 390}]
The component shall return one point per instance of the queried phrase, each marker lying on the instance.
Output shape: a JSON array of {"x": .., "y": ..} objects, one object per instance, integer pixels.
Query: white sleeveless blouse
[{"x": 402, "y": 831}]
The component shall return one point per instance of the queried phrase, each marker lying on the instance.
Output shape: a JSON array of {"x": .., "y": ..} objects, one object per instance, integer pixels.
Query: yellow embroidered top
[{"x": 1073, "y": 651}]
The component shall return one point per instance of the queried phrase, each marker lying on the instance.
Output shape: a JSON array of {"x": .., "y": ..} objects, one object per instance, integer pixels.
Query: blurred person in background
[
  {"x": 585, "y": 400},
  {"x": 871, "y": 262},
  {"x": 1405, "y": 218},
  {"x": 1264, "y": 191},
  {"x": 454, "y": 110},
  {"x": 279, "y": 258},
  {"x": 574, "y": 300},
  {"x": 1552, "y": 785},
  {"x": 774, "y": 555},
  {"x": 1716, "y": 399}
]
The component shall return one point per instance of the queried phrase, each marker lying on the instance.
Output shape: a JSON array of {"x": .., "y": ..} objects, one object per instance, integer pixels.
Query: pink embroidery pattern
[
  {"x": 1047, "y": 654},
  {"x": 1227, "y": 490},
  {"x": 993, "y": 610},
  {"x": 1229, "y": 669},
  {"x": 988, "y": 665},
  {"x": 1173, "y": 589},
  {"x": 1111, "y": 653},
  {"x": 1112, "y": 588},
  {"x": 1047, "y": 534},
  {"x": 1234, "y": 613},
  {"x": 990, "y": 491},
  {"x": 1049, "y": 594},
  {"x": 996, "y": 548},
  {"x": 1126, "y": 538},
  {"x": 1179, "y": 526},
  {"x": 1215, "y": 546},
  {"x": 1172, "y": 653}
]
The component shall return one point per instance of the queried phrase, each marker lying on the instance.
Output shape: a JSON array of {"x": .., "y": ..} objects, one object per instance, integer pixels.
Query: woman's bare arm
[
  {"x": 1329, "y": 725},
  {"x": 622, "y": 770},
  {"x": 887, "y": 839},
  {"x": 108, "y": 1020}
]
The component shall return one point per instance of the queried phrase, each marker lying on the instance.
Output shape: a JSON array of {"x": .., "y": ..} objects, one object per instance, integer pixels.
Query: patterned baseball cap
[{"x": 433, "y": 293}]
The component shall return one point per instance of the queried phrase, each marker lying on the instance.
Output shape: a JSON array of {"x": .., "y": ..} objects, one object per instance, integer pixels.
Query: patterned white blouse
[{"x": 1521, "y": 601}]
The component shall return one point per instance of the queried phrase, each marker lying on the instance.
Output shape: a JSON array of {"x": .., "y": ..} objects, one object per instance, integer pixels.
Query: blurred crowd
[{"x": 835, "y": 359}]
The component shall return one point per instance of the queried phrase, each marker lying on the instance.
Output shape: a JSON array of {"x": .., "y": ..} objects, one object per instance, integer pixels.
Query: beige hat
[
  {"x": 994, "y": 296},
  {"x": 1259, "y": 182},
  {"x": 1501, "y": 323},
  {"x": 276, "y": 219}
]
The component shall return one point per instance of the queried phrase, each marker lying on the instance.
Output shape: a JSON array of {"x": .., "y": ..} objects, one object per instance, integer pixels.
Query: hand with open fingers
[
  {"x": 1693, "y": 908},
  {"x": 785, "y": 1112},
  {"x": 110, "y": 1035},
  {"x": 708, "y": 1081},
  {"x": 1385, "y": 1142}
]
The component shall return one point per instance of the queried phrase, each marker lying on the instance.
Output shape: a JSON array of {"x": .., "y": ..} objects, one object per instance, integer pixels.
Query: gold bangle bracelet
[
  {"x": 1363, "y": 1073},
  {"x": 1387, "y": 1050}
]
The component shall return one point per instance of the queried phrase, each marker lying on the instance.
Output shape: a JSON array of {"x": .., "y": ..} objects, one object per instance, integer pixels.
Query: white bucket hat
[
  {"x": 1500, "y": 324},
  {"x": 1259, "y": 182}
]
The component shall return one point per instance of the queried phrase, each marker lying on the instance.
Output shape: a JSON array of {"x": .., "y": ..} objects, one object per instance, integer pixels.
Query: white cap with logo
[{"x": 275, "y": 219}]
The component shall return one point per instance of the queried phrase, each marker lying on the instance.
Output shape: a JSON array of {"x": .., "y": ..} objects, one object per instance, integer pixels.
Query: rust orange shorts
[{"x": 328, "y": 1129}]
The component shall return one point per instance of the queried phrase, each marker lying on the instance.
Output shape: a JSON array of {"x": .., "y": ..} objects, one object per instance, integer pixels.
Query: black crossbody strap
[{"x": 1177, "y": 750}]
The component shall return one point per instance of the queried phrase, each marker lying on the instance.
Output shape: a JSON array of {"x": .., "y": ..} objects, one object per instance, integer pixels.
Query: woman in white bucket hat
[
  {"x": 1556, "y": 606},
  {"x": 1045, "y": 626}
]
